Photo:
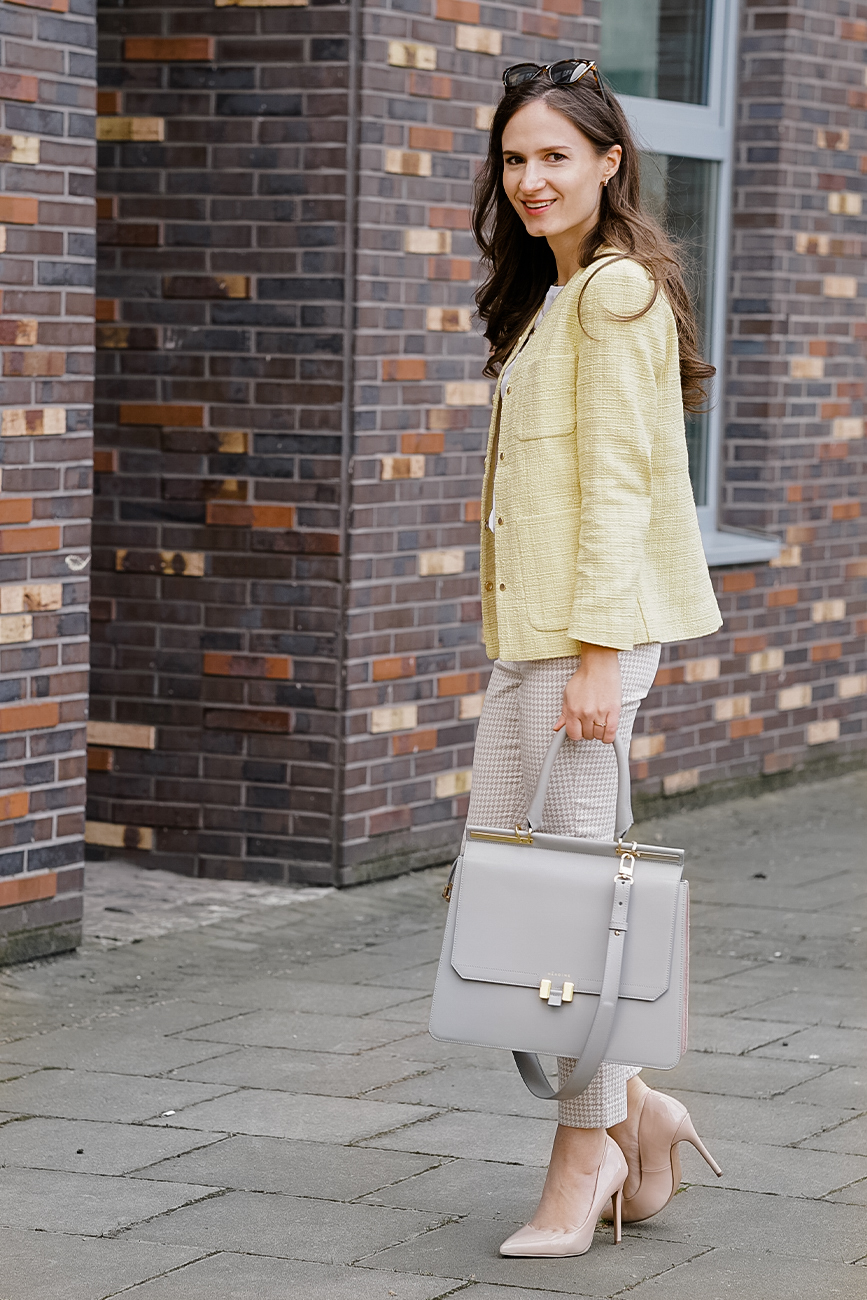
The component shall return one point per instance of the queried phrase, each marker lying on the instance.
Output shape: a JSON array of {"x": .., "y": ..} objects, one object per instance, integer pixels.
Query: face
[{"x": 552, "y": 174}]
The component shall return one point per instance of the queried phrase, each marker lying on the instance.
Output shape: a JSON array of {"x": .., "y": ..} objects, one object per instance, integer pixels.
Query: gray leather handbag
[{"x": 574, "y": 947}]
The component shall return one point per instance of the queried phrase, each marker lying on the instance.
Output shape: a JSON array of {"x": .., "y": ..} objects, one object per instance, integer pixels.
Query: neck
[{"x": 565, "y": 248}]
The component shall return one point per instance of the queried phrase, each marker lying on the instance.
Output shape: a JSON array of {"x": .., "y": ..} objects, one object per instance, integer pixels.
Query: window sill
[{"x": 722, "y": 549}]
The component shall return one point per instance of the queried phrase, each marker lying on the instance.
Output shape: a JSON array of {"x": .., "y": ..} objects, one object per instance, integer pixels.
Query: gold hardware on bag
[
  {"x": 503, "y": 837},
  {"x": 626, "y": 868},
  {"x": 554, "y": 996},
  {"x": 447, "y": 892},
  {"x": 633, "y": 851}
]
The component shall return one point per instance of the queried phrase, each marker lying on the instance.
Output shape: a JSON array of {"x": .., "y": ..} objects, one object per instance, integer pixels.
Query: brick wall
[
  {"x": 784, "y": 685},
  {"x": 230, "y": 536},
  {"x": 416, "y": 668},
  {"x": 221, "y": 337},
  {"x": 47, "y": 86}
]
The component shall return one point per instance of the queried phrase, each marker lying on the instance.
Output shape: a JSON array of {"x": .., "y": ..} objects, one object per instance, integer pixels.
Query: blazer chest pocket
[
  {"x": 553, "y": 376},
  {"x": 549, "y": 550}
]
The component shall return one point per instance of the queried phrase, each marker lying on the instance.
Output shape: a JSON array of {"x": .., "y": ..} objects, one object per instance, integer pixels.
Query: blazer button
[
  {"x": 508, "y": 389},
  {"x": 502, "y": 455},
  {"x": 502, "y": 586},
  {"x": 489, "y": 586},
  {"x": 499, "y": 521}
]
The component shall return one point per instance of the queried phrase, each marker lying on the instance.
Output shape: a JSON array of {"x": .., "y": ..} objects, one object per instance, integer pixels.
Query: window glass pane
[
  {"x": 657, "y": 49},
  {"x": 682, "y": 194}
]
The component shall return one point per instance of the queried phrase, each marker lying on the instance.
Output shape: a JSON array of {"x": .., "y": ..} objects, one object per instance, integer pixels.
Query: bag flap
[{"x": 525, "y": 914}]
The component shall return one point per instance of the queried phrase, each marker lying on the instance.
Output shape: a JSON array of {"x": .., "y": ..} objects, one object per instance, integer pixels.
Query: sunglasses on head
[{"x": 568, "y": 72}]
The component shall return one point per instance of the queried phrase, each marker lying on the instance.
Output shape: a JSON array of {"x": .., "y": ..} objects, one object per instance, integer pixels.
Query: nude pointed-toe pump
[
  {"x": 663, "y": 1122},
  {"x": 548, "y": 1242}
]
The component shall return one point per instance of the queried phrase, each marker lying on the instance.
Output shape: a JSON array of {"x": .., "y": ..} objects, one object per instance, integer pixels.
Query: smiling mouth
[{"x": 538, "y": 205}]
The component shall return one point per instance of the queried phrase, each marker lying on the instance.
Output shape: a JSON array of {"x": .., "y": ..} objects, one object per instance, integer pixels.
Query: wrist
[{"x": 597, "y": 652}]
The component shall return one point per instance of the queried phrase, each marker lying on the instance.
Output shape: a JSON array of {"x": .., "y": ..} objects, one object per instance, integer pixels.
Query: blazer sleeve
[{"x": 618, "y": 364}]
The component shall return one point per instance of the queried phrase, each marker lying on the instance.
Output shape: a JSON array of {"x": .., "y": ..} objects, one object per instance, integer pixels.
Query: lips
[{"x": 538, "y": 206}]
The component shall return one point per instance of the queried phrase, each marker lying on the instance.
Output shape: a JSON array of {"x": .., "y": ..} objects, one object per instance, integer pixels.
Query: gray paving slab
[
  {"x": 38, "y": 1265},
  {"x": 322, "y": 1032},
  {"x": 257, "y": 1223},
  {"x": 419, "y": 977},
  {"x": 470, "y": 1249},
  {"x": 421, "y": 1047},
  {"x": 476, "y": 1136},
  {"x": 262, "y": 1164},
  {"x": 720, "y": 999},
  {"x": 820, "y": 1043},
  {"x": 365, "y": 967},
  {"x": 293, "y": 1115},
  {"x": 776, "y": 978},
  {"x": 277, "y": 993},
  {"x": 173, "y": 1015},
  {"x": 779, "y": 1122},
  {"x": 85, "y": 1204},
  {"x": 741, "y": 1076},
  {"x": 850, "y": 1137},
  {"x": 469, "y": 1187},
  {"x": 812, "y": 1008},
  {"x": 842, "y": 1086},
  {"x": 416, "y": 1012},
  {"x": 735, "y": 1035},
  {"x": 85, "y": 1146},
  {"x": 719, "y": 1274},
  {"x": 108, "y": 1046},
  {"x": 782, "y": 1171},
  {"x": 754, "y": 1223},
  {"x": 247, "y": 1277},
  {"x": 854, "y": 1194},
  {"x": 296, "y": 1071},
  {"x": 484, "y": 1291},
  {"x": 500, "y": 1092},
  {"x": 84, "y": 1094},
  {"x": 15, "y": 1070},
  {"x": 314, "y": 1089}
]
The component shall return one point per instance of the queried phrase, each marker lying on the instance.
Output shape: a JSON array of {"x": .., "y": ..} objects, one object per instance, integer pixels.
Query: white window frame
[{"x": 707, "y": 131}]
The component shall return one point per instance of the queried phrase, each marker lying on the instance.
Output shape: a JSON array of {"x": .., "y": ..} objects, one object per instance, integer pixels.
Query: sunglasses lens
[
  {"x": 519, "y": 73},
  {"x": 568, "y": 71}
]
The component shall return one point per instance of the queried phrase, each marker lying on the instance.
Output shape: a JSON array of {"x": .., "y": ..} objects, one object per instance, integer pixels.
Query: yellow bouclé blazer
[{"x": 596, "y": 536}]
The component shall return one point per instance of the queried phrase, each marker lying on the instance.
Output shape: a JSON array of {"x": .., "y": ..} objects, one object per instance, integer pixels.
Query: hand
[{"x": 591, "y": 700}]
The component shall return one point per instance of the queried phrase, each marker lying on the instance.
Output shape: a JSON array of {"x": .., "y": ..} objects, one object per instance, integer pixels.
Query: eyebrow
[{"x": 549, "y": 148}]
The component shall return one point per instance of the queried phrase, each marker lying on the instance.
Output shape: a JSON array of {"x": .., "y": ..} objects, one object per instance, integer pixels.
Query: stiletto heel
[
  {"x": 686, "y": 1133},
  {"x": 551, "y": 1242},
  {"x": 616, "y": 1203},
  {"x": 663, "y": 1122}
]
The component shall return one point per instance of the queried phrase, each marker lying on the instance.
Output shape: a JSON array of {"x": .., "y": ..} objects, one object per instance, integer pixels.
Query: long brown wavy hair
[{"x": 521, "y": 267}]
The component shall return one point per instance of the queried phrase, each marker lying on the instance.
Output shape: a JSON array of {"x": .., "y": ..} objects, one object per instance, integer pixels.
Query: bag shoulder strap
[
  {"x": 596, "y": 1044},
  {"x": 624, "y": 791}
]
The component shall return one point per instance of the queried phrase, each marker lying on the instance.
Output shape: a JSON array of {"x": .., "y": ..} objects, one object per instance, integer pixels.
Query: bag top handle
[{"x": 624, "y": 816}]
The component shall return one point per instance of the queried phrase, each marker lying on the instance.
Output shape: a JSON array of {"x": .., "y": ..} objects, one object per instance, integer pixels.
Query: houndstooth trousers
[{"x": 522, "y": 703}]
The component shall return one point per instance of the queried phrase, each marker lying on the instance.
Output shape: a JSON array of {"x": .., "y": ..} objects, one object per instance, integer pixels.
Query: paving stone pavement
[{"x": 250, "y": 1108}]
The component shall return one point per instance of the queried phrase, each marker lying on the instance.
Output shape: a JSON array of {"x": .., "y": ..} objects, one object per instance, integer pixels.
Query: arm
[
  {"x": 591, "y": 700},
  {"x": 616, "y": 417}
]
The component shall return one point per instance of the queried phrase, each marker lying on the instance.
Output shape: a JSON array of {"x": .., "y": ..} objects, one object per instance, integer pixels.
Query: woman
[{"x": 591, "y": 552}]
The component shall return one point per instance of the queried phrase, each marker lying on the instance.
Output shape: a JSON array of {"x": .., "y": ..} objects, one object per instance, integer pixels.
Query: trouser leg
[
  {"x": 497, "y": 793},
  {"x": 581, "y": 801}
]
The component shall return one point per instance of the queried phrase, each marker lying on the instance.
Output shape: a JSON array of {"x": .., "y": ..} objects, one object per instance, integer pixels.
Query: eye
[
  {"x": 512, "y": 159},
  {"x": 553, "y": 156}
]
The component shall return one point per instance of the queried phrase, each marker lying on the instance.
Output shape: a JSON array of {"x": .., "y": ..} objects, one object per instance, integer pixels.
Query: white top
[{"x": 549, "y": 298}]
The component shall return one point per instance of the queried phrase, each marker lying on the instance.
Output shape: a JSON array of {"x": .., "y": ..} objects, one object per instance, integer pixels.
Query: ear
[{"x": 611, "y": 162}]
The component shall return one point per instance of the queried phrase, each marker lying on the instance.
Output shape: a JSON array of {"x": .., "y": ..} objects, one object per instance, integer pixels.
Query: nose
[{"x": 532, "y": 179}]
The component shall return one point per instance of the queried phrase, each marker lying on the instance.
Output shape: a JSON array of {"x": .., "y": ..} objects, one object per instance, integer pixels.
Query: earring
[{"x": 605, "y": 182}]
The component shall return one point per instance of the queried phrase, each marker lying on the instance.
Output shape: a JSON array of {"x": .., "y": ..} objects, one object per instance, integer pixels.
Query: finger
[
  {"x": 588, "y": 730},
  {"x": 560, "y": 723},
  {"x": 611, "y": 725}
]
